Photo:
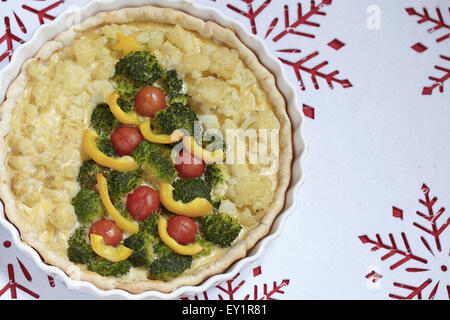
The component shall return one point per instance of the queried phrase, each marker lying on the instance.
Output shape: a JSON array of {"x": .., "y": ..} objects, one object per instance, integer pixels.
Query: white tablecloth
[{"x": 373, "y": 80}]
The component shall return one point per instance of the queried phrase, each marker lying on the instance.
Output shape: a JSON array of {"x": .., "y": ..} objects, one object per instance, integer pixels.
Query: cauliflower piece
[
  {"x": 209, "y": 121},
  {"x": 155, "y": 39},
  {"x": 63, "y": 216},
  {"x": 87, "y": 50},
  {"x": 258, "y": 199},
  {"x": 36, "y": 69},
  {"x": 246, "y": 218},
  {"x": 224, "y": 63},
  {"x": 25, "y": 188},
  {"x": 73, "y": 78},
  {"x": 227, "y": 207},
  {"x": 183, "y": 39},
  {"x": 197, "y": 62}
]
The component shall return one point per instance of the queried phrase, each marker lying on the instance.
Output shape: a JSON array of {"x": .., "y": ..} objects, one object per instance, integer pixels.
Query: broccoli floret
[
  {"x": 102, "y": 120},
  {"x": 86, "y": 175},
  {"x": 161, "y": 250},
  {"x": 104, "y": 145},
  {"x": 156, "y": 162},
  {"x": 207, "y": 246},
  {"x": 141, "y": 67},
  {"x": 180, "y": 98},
  {"x": 125, "y": 105},
  {"x": 216, "y": 174},
  {"x": 189, "y": 189},
  {"x": 173, "y": 83},
  {"x": 177, "y": 116},
  {"x": 220, "y": 229},
  {"x": 88, "y": 206},
  {"x": 169, "y": 266},
  {"x": 127, "y": 93},
  {"x": 110, "y": 269},
  {"x": 142, "y": 245},
  {"x": 144, "y": 241},
  {"x": 150, "y": 225},
  {"x": 120, "y": 183},
  {"x": 79, "y": 251},
  {"x": 126, "y": 89}
]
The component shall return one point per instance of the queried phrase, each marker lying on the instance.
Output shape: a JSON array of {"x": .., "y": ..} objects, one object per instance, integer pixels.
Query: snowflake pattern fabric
[
  {"x": 431, "y": 234},
  {"x": 19, "y": 23},
  {"x": 372, "y": 80},
  {"x": 436, "y": 24}
]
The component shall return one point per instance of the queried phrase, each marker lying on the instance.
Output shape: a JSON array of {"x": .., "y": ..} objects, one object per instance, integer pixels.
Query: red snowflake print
[
  {"x": 315, "y": 72},
  {"x": 432, "y": 217},
  {"x": 438, "y": 24},
  {"x": 235, "y": 286},
  {"x": 438, "y": 82},
  {"x": 336, "y": 44},
  {"x": 9, "y": 38},
  {"x": 299, "y": 19},
  {"x": 12, "y": 286},
  {"x": 419, "y": 48},
  {"x": 12, "y": 12},
  {"x": 43, "y": 14},
  {"x": 251, "y": 13},
  {"x": 302, "y": 19},
  {"x": 431, "y": 230},
  {"x": 374, "y": 276},
  {"x": 268, "y": 294},
  {"x": 230, "y": 288},
  {"x": 308, "y": 111},
  {"x": 51, "y": 281},
  {"x": 392, "y": 249}
]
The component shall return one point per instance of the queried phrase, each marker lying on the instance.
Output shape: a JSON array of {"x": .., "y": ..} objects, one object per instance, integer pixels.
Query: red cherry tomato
[
  {"x": 149, "y": 100},
  {"x": 182, "y": 229},
  {"x": 108, "y": 229},
  {"x": 125, "y": 140},
  {"x": 142, "y": 202},
  {"x": 189, "y": 166}
]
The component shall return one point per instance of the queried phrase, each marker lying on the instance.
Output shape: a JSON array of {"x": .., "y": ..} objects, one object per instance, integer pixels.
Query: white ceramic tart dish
[{"x": 56, "y": 80}]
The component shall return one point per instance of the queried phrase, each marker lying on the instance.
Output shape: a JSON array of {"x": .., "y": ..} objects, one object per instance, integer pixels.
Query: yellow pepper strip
[
  {"x": 193, "y": 148},
  {"x": 187, "y": 250},
  {"x": 124, "y": 224},
  {"x": 123, "y": 164},
  {"x": 123, "y": 117},
  {"x": 127, "y": 44},
  {"x": 198, "y": 207},
  {"x": 148, "y": 134},
  {"x": 113, "y": 254}
]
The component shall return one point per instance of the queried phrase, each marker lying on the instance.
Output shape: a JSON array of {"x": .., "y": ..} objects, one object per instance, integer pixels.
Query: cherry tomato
[
  {"x": 182, "y": 229},
  {"x": 142, "y": 202},
  {"x": 149, "y": 100},
  {"x": 125, "y": 140},
  {"x": 108, "y": 229},
  {"x": 189, "y": 166}
]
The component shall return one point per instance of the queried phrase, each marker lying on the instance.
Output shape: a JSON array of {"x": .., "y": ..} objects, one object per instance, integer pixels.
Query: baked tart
[{"x": 144, "y": 149}]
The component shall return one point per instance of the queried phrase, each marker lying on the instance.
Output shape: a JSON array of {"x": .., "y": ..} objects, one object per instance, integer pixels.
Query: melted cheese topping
[{"x": 47, "y": 124}]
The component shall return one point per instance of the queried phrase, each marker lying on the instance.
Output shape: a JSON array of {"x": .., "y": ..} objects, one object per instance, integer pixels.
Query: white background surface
[{"x": 371, "y": 147}]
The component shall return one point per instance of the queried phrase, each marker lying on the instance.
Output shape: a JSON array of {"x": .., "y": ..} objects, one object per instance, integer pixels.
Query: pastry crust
[{"x": 209, "y": 30}]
